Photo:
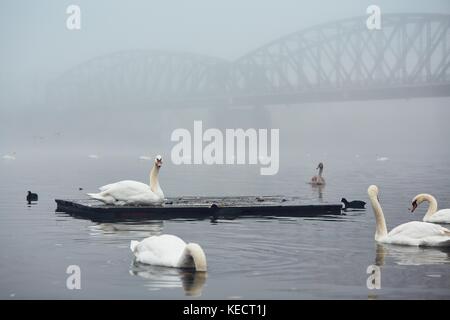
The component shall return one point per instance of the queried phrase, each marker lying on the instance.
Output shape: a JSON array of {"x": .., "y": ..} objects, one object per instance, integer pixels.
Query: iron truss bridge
[{"x": 342, "y": 60}]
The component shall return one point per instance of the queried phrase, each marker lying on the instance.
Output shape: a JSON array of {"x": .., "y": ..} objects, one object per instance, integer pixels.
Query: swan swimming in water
[
  {"x": 318, "y": 179},
  {"x": 169, "y": 251},
  {"x": 432, "y": 215},
  {"x": 414, "y": 233},
  {"x": 133, "y": 192}
]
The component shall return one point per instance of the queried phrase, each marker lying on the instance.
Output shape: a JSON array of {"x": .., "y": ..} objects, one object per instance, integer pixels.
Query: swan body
[
  {"x": 414, "y": 233},
  {"x": 129, "y": 192},
  {"x": 169, "y": 251},
  {"x": 318, "y": 179},
  {"x": 432, "y": 215}
]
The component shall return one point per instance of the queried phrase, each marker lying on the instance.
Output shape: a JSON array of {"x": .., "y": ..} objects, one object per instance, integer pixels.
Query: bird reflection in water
[
  {"x": 411, "y": 256},
  {"x": 319, "y": 190},
  {"x": 127, "y": 230},
  {"x": 191, "y": 281}
]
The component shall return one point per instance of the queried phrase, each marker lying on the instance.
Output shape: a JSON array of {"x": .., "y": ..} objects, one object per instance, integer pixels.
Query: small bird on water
[
  {"x": 356, "y": 204},
  {"x": 32, "y": 196}
]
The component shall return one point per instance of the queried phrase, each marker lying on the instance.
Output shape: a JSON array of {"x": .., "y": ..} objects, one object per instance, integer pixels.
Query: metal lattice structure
[
  {"x": 410, "y": 50},
  {"x": 142, "y": 77},
  {"x": 408, "y": 56}
]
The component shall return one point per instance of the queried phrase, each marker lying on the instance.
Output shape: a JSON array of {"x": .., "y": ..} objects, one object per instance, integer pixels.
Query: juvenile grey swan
[{"x": 318, "y": 179}]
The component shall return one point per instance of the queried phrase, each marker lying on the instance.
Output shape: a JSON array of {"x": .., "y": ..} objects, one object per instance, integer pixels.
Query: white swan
[
  {"x": 10, "y": 156},
  {"x": 432, "y": 215},
  {"x": 169, "y": 251},
  {"x": 318, "y": 180},
  {"x": 414, "y": 233},
  {"x": 133, "y": 192}
]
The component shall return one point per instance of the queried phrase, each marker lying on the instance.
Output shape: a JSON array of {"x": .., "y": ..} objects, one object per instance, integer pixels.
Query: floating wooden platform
[{"x": 199, "y": 208}]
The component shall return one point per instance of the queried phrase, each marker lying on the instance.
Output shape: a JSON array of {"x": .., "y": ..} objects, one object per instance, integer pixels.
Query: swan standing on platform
[
  {"x": 133, "y": 192},
  {"x": 318, "y": 180},
  {"x": 414, "y": 233},
  {"x": 432, "y": 215},
  {"x": 169, "y": 251}
]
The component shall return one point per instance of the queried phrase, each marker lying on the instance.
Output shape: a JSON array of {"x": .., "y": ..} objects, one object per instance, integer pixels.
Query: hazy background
[{"x": 36, "y": 48}]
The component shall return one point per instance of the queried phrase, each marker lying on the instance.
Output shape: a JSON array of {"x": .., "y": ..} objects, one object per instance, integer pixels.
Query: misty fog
[{"x": 37, "y": 49}]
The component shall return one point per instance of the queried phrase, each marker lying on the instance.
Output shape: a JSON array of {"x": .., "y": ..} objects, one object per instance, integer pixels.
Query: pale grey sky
[{"x": 36, "y": 45}]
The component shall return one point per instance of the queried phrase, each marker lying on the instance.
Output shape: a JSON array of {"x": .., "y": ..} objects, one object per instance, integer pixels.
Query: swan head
[
  {"x": 320, "y": 166},
  {"x": 419, "y": 199},
  {"x": 372, "y": 191},
  {"x": 158, "y": 161}
]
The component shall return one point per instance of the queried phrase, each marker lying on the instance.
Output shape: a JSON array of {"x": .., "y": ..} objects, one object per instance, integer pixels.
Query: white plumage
[
  {"x": 169, "y": 251},
  {"x": 413, "y": 233},
  {"x": 432, "y": 215},
  {"x": 129, "y": 192}
]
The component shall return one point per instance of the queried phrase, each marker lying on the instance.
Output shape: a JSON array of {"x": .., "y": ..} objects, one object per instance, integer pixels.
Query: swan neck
[
  {"x": 320, "y": 172},
  {"x": 154, "y": 183},
  {"x": 381, "y": 229},
  {"x": 432, "y": 208},
  {"x": 198, "y": 256}
]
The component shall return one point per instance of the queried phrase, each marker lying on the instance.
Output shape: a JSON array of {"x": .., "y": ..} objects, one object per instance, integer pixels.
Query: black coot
[
  {"x": 32, "y": 196},
  {"x": 356, "y": 204}
]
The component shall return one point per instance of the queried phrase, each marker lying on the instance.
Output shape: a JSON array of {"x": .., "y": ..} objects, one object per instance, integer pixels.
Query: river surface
[{"x": 324, "y": 257}]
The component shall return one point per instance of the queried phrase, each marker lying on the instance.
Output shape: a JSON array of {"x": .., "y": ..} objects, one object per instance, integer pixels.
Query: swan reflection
[
  {"x": 157, "y": 278},
  {"x": 142, "y": 229},
  {"x": 319, "y": 190},
  {"x": 411, "y": 256}
]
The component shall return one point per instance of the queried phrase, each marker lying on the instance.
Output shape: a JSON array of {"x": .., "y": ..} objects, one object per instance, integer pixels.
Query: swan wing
[
  {"x": 441, "y": 216},
  {"x": 128, "y": 192},
  {"x": 106, "y": 187},
  {"x": 164, "y": 250},
  {"x": 143, "y": 198},
  {"x": 125, "y": 190},
  {"x": 124, "y": 183},
  {"x": 416, "y": 233},
  {"x": 418, "y": 230}
]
